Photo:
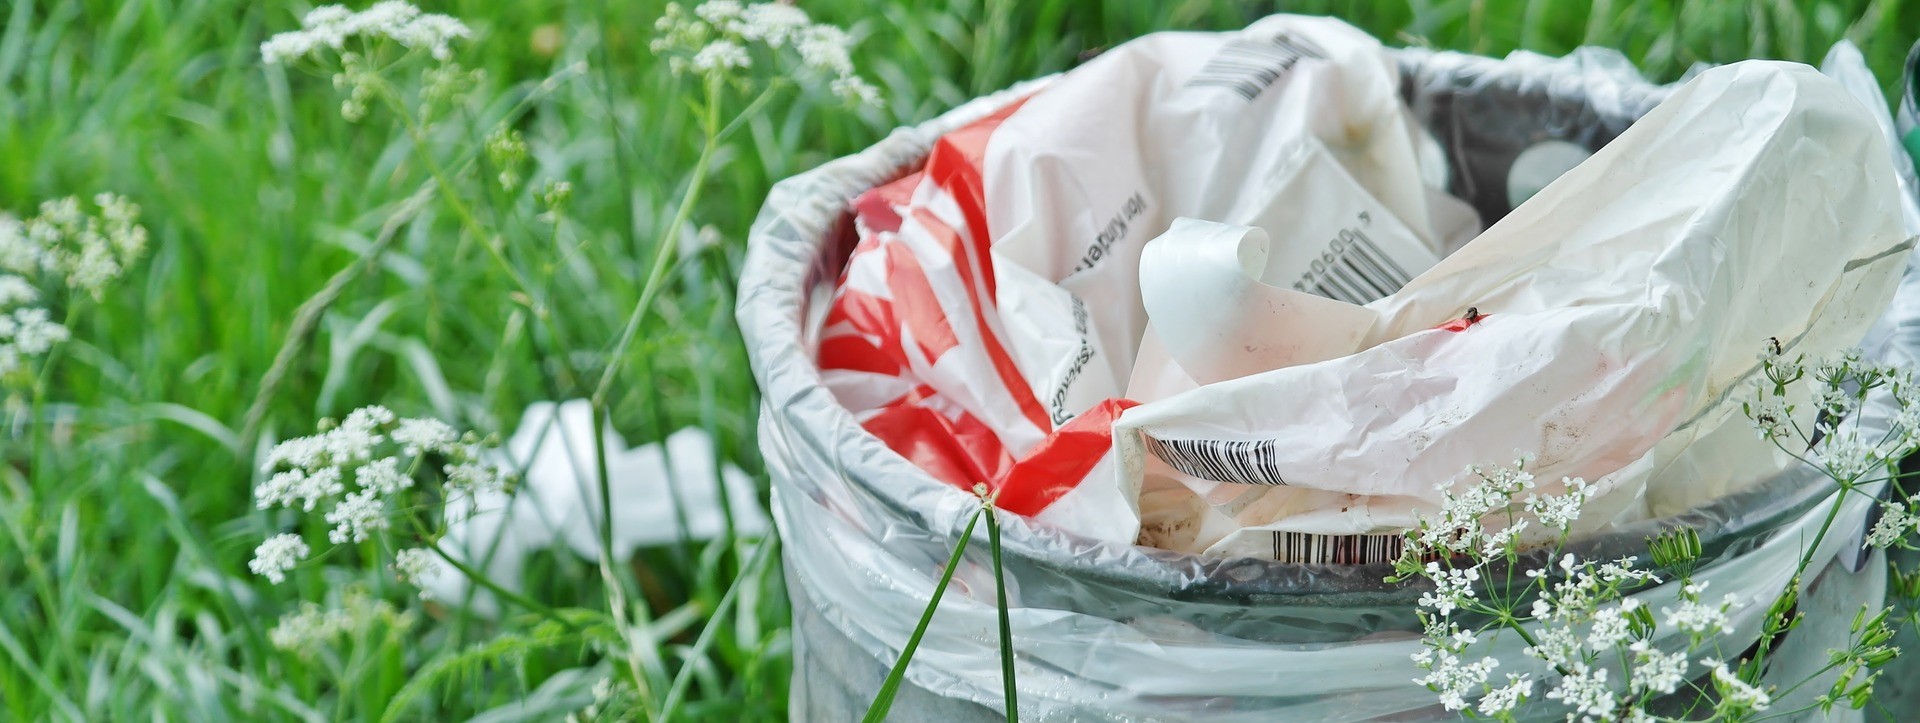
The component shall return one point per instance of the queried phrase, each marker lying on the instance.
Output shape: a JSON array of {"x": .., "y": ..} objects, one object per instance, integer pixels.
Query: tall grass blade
[
  {"x": 1006, "y": 626},
  {"x": 883, "y": 701}
]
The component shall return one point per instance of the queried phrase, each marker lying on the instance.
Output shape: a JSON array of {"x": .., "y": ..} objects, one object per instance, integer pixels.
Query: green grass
[{"x": 123, "y": 546}]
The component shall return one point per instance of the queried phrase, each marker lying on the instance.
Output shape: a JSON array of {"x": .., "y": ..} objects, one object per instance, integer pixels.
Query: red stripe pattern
[{"x": 915, "y": 312}]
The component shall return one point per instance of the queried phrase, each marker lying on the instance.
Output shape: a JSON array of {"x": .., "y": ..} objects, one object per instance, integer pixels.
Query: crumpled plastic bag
[
  {"x": 558, "y": 500},
  {"x": 986, "y": 324},
  {"x": 1314, "y": 344}
]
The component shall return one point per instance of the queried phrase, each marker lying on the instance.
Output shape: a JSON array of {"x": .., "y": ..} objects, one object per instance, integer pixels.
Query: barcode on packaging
[
  {"x": 1247, "y": 462},
  {"x": 1353, "y": 270},
  {"x": 1248, "y": 66},
  {"x": 1309, "y": 548}
]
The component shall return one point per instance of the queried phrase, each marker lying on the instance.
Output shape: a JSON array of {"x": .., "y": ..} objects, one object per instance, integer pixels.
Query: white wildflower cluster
[
  {"x": 1850, "y": 455},
  {"x": 1896, "y": 523},
  {"x": 84, "y": 249},
  {"x": 1462, "y": 525},
  {"x": 1769, "y": 410},
  {"x": 359, "y": 471},
  {"x": 313, "y": 626},
  {"x": 1736, "y": 694},
  {"x": 1583, "y": 588},
  {"x": 1586, "y": 617},
  {"x": 1697, "y": 617},
  {"x": 1458, "y": 534},
  {"x": 1454, "y": 679},
  {"x": 1585, "y": 689},
  {"x": 414, "y": 565},
  {"x": 1582, "y": 618},
  {"x": 1502, "y": 700},
  {"x": 1559, "y": 512},
  {"x": 1611, "y": 654},
  {"x": 356, "y": 39},
  {"x": 717, "y": 39},
  {"x": 26, "y": 333},
  {"x": 1452, "y": 588},
  {"x": 280, "y": 553},
  {"x": 1841, "y": 384},
  {"x": 69, "y": 246},
  {"x": 331, "y": 27}
]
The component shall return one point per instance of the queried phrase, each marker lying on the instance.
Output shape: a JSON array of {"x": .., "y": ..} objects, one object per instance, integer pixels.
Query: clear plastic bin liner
[{"x": 1117, "y": 632}]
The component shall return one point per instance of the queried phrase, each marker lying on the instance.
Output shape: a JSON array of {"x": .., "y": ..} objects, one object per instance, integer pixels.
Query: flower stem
[
  {"x": 1751, "y": 673},
  {"x": 664, "y": 247},
  {"x": 481, "y": 579},
  {"x": 656, "y": 276},
  {"x": 457, "y": 203}
]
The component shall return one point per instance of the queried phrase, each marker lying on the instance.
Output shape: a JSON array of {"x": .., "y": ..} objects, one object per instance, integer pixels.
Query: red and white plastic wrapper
[{"x": 1209, "y": 292}]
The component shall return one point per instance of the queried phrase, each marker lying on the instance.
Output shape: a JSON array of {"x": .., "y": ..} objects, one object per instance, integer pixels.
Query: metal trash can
[{"x": 1117, "y": 632}]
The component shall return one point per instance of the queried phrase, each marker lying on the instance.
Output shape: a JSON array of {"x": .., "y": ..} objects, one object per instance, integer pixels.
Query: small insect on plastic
[{"x": 1473, "y": 316}]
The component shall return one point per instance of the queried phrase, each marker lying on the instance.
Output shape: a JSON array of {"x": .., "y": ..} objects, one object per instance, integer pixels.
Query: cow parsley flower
[
  {"x": 1454, "y": 679},
  {"x": 1611, "y": 625},
  {"x": 826, "y": 48},
  {"x": 273, "y": 558},
  {"x": 1559, "y": 511},
  {"x": 360, "y": 469},
  {"x": 855, "y": 90},
  {"x": 298, "y": 487},
  {"x": 353, "y": 48},
  {"x": 721, "y": 56},
  {"x": 1834, "y": 399},
  {"x": 1734, "y": 692},
  {"x": 32, "y": 331},
  {"x": 1697, "y": 617},
  {"x": 1775, "y": 363},
  {"x": 1655, "y": 671},
  {"x": 420, "y": 436},
  {"x": 383, "y": 476},
  {"x": 718, "y": 38},
  {"x": 1504, "y": 698},
  {"x": 1585, "y": 690},
  {"x": 414, "y": 565},
  {"x": 312, "y": 626},
  {"x": 434, "y": 32},
  {"x": 15, "y": 291},
  {"x": 474, "y": 477},
  {"x": 1459, "y": 527},
  {"x": 1849, "y": 458},
  {"x": 771, "y": 23},
  {"x": 1583, "y": 619},
  {"x": 86, "y": 250},
  {"x": 329, "y": 27},
  {"x": 356, "y": 517},
  {"x": 308, "y": 627},
  {"x": 1452, "y": 588},
  {"x": 1891, "y": 528},
  {"x": 720, "y": 13}
]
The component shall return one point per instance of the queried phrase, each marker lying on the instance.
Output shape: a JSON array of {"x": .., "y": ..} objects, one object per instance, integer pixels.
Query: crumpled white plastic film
[
  {"x": 1620, "y": 307},
  {"x": 654, "y": 488}
]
